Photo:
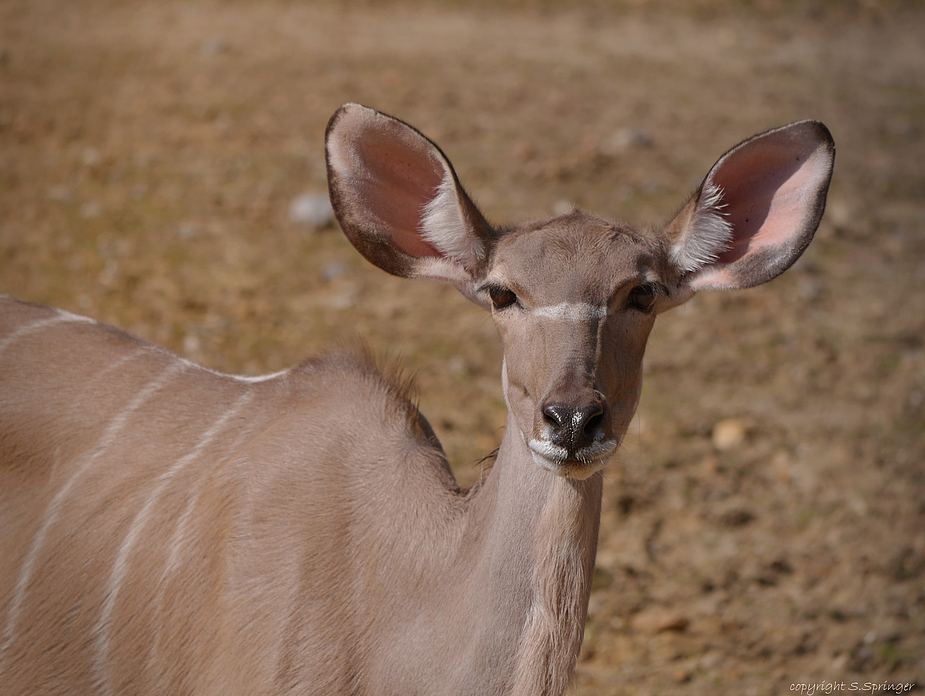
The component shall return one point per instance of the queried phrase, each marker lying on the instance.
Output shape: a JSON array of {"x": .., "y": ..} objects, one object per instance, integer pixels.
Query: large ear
[
  {"x": 756, "y": 211},
  {"x": 399, "y": 202}
]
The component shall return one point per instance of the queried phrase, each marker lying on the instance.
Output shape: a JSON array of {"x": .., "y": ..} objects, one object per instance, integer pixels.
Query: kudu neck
[
  {"x": 519, "y": 493},
  {"x": 529, "y": 546}
]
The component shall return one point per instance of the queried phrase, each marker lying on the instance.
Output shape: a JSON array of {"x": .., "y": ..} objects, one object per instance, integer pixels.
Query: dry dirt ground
[{"x": 764, "y": 525}]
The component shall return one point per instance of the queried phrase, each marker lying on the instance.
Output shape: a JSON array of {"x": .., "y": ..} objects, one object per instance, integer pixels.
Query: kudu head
[{"x": 574, "y": 297}]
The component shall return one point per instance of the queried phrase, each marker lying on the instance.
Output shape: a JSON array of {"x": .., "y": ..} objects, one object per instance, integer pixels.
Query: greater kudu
[{"x": 165, "y": 529}]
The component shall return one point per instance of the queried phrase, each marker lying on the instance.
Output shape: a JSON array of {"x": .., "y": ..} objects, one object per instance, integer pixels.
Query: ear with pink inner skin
[
  {"x": 399, "y": 202},
  {"x": 756, "y": 211}
]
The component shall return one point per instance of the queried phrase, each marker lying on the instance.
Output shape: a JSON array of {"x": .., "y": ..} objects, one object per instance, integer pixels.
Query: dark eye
[
  {"x": 643, "y": 297},
  {"x": 501, "y": 297}
]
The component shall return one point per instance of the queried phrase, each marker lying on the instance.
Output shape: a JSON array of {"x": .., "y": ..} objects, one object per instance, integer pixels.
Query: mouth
[{"x": 580, "y": 465}]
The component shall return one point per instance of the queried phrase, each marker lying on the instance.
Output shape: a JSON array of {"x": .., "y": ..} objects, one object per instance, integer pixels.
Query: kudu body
[{"x": 165, "y": 529}]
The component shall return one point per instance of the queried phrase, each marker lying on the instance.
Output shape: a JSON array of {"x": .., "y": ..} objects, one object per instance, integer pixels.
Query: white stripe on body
[
  {"x": 51, "y": 514},
  {"x": 104, "y": 623},
  {"x": 238, "y": 378},
  {"x": 181, "y": 529},
  {"x": 59, "y": 316}
]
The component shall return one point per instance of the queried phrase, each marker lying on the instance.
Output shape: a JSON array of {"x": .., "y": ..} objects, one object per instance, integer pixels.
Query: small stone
[
  {"x": 345, "y": 299},
  {"x": 810, "y": 289},
  {"x": 658, "y": 621},
  {"x": 191, "y": 344},
  {"x": 728, "y": 434},
  {"x": 782, "y": 467},
  {"x": 625, "y": 139},
  {"x": 187, "y": 230},
  {"x": 736, "y": 517},
  {"x": 333, "y": 271},
  {"x": 60, "y": 194},
  {"x": 91, "y": 209},
  {"x": 839, "y": 213},
  {"x": 312, "y": 209},
  {"x": 524, "y": 150},
  {"x": 457, "y": 365},
  {"x": 562, "y": 207},
  {"x": 213, "y": 46},
  {"x": 91, "y": 157}
]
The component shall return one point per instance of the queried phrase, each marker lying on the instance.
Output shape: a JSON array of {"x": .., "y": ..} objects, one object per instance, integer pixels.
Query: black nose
[{"x": 574, "y": 428}]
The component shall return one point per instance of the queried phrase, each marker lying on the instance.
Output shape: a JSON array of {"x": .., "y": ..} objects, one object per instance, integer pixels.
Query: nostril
[
  {"x": 594, "y": 424},
  {"x": 557, "y": 415}
]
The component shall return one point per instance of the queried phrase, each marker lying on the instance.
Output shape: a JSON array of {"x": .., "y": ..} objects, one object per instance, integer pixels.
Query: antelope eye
[
  {"x": 501, "y": 297},
  {"x": 643, "y": 297}
]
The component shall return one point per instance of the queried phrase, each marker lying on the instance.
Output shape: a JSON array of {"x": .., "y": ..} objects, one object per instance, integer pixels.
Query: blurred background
[{"x": 162, "y": 169}]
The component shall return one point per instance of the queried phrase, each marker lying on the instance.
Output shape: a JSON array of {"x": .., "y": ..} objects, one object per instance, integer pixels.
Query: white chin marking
[{"x": 555, "y": 459}]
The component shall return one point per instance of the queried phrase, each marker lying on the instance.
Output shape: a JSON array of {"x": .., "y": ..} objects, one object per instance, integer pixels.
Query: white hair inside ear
[
  {"x": 443, "y": 225},
  {"x": 708, "y": 235}
]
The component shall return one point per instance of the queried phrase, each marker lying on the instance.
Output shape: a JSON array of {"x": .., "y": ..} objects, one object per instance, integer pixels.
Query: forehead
[{"x": 576, "y": 256}]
